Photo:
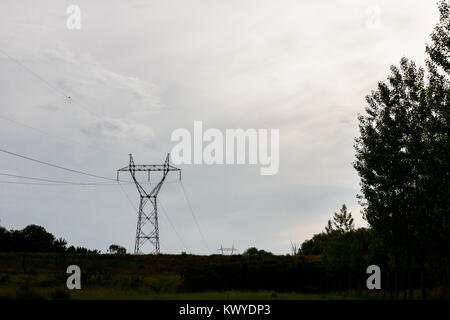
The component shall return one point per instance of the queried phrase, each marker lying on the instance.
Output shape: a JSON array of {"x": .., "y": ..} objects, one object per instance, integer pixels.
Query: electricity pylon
[
  {"x": 148, "y": 215},
  {"x": 223, "y": 250}
]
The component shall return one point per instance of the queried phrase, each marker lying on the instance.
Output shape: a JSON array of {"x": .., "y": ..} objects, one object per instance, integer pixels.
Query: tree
[
  {"x": 37, "y": 238},
  {"x": 329, "y": 227},
  {"x": 342, "y": 222},
  {"x": 431, "y": 211},
  {"x": 81, "y": 250},
  {"x": 384, "y": 158},
  {"x": 60, "y": 245},
  {"x": 316, "y": 245},
  {"x": 254, "y": 252},
  {"x": 439, "y": 49},
  {"x": 116, "y": 249},
  {"x": 34, "y": 238},
  {"x": 343, "y": 250},
  {"x": 402, "y": 156}
]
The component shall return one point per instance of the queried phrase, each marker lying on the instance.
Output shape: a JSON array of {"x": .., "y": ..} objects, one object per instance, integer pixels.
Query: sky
[{"x": 135, "y": 71}]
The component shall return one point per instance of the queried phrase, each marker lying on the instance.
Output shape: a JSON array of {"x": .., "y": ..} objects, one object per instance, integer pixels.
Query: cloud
[
  {"x": 136, "y": 71},
  {"x": 117, "y": 128}
]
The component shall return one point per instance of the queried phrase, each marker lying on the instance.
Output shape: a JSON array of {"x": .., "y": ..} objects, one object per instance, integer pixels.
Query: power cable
[
  {"x": 56, "y": 184},
  {"x": 59, "y": 91},
  {"x": 193, "y": 215},
  {"x": 56, "y": 136},
  {"x": 55, "y": 166},
  {"x": 173, "y": 227},
  {"x": 50, "y": 180}
]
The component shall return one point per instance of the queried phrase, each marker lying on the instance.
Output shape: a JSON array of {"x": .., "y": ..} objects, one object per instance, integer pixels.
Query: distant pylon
[
  {"x": 151, "y": 215},
  {"x": 223, "y": 250}
]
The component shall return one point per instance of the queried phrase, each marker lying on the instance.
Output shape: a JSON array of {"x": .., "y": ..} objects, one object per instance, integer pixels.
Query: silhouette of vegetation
[
  {"x": 35, "y": 238},
  {"x": 116, "y": 249},
  {"x": 402, "y": 157},
  {"x": 255, "y": 252},
  {"x": 342, "y": 222},
  {"x": 32, "y": 238}
]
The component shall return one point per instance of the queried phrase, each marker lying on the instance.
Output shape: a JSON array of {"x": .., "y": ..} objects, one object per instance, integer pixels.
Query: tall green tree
[
  {"x": 402, "y": 155},
  {"x": 384, "y": 158},
  {"x": 439, "y": 50},
  {"x": 432, "y": 212}
]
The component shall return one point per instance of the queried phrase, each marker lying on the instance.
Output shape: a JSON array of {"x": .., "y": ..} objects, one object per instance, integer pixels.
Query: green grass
[
  {"x": 99, "y": 293},
  {"x": 161, "y": 277}
]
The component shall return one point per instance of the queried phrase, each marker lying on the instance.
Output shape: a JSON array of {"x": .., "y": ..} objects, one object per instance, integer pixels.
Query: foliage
[
  {"x": 315, "y": 245},
  {"x": 342, "y": 221},
  {"x": 35, "y": 238},
  {"x": 116, "y": 249},
  {"x": 402, "y": 159},
  {"x": 255, "y": 252},
  {"x": 32, "y": 238},
  {"x": 83, "y": 250}
]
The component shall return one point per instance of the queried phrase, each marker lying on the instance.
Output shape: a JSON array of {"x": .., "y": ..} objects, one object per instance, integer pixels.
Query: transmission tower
[
  {"x": 149, "y": 213},
  {"x": 223, "y": 250}
]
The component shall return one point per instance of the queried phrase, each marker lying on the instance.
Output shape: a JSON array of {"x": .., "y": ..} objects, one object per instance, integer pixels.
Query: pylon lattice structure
[
  {"x": 148, "y": 205},
  {"x": 223, "y": 250}
]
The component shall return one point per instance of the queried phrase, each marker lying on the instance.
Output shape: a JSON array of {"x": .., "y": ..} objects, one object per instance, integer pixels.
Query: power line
[
  {"x": 59, "y": 91},
  {"x": 56, "y": 184},
  {"x": 56, "y": 166},
  {"x": 55, "y": 136},
  {"x": 51, "y": 86},
  {"x": 126, "y": 195},
  {"x": 164, "y": 247},
  {"x": 61, "y": 181},
  {"x": 50, "y": 180},
  {"x": 193, "y": 215},
  {"x": 66, "y": 96},
  {"x": 173, "y": 227},
  {"x": 33, "y": 73}
]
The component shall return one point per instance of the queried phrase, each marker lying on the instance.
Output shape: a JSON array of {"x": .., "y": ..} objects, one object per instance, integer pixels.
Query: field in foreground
[
  {"x": 117, "y": 294},
  {"x": 216, "y": 277}
]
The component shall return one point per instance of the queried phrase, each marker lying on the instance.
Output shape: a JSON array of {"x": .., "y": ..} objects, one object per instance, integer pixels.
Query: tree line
[
  {"x": 34, "y": 238},
  {"x": 402, "y": 158}
]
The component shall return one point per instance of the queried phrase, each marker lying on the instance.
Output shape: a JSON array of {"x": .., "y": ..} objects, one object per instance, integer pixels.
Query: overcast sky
[{"x": 137, "y": 70}]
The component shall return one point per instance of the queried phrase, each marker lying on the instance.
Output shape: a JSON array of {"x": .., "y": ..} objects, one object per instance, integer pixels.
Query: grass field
[
  {"x": 43, "y": 276},
  {"x": 14, "y": 292}
]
